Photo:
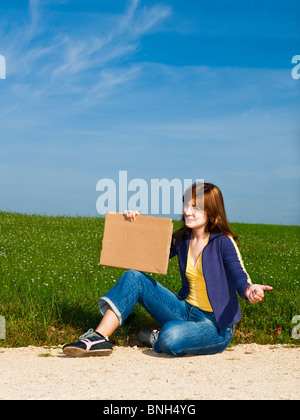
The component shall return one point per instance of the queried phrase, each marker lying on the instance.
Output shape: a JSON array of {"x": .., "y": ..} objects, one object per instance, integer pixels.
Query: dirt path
[{"x": 242, "y": 372}]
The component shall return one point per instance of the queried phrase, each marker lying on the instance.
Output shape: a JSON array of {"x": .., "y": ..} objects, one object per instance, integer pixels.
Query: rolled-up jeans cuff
[{"x": 104, "y": 303}]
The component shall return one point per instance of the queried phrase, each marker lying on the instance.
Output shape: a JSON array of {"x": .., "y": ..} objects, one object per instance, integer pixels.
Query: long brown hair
[{"x": 211, "y": 197}]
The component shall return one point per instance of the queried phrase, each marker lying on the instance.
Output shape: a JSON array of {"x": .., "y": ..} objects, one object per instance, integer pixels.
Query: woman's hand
[
  {"x": 131, "y": 214},
  {"x": 255, "y": 292}
]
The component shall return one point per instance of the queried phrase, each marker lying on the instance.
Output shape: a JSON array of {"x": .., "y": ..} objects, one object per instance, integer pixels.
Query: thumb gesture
[{"x": 255, "y": 292}]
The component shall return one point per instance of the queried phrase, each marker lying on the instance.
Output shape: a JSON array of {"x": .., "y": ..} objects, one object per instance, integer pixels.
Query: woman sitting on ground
[{"x": 200, "y": 319}]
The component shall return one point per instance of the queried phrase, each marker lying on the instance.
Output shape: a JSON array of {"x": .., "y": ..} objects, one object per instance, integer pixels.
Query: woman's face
[{"x": 194, "y": 216}]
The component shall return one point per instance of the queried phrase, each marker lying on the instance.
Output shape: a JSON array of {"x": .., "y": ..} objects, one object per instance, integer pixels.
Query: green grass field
[{"x": 51, "y": 280}]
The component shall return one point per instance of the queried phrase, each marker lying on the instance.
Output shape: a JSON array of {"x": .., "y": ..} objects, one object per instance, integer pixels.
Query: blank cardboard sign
[{"x": 142, "y": 245}]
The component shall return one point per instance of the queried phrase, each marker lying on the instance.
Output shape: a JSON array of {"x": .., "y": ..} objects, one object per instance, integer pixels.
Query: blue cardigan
[{"x": 224, "y": 275}]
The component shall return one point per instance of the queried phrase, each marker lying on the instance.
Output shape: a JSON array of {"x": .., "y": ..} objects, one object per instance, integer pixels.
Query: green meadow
[{"x": 51, "y": 280}]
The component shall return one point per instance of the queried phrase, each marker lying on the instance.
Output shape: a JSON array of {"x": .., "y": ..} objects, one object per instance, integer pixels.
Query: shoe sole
[
  {"x": 78, "y": 352},
  {"x": 146, "y": 339}
]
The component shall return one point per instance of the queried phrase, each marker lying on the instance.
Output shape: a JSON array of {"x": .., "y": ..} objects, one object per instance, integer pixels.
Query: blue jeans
[{"x": 185, "y": 328}]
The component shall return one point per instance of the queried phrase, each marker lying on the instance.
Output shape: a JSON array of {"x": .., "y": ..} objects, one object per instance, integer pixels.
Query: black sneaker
[
  {"x": 91, "y": 343},
  {"x": 148, "y": 337}
]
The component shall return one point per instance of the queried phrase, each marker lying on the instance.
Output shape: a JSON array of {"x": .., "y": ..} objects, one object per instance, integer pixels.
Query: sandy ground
[{"x": 242, "y": 372}]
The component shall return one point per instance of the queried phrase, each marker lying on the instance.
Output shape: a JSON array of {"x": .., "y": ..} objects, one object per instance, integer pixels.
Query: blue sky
[{"x": 162, "y": 89}]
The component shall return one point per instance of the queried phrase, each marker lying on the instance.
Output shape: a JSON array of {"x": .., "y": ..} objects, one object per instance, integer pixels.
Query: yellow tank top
[{"x": 198, "y": 294}]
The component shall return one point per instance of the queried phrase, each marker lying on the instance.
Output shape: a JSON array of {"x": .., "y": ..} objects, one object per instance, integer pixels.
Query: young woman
[{"x": 200, "y": 319}]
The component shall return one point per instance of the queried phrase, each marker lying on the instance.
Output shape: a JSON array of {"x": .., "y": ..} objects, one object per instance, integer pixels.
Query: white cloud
[
  {"x": 108, "y": 82},
  {"x": 53, "y": 61}
]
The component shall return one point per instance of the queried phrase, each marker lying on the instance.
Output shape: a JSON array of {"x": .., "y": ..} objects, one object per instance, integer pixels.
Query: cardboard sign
[{"x": 142, "y": 245}]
